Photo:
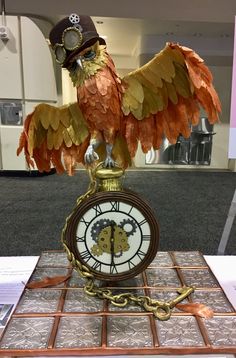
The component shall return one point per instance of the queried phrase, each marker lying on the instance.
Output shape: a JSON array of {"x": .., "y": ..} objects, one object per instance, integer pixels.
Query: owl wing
[
  {"x": 163, "y": 97},
  {"x": 52, "y": 133}
]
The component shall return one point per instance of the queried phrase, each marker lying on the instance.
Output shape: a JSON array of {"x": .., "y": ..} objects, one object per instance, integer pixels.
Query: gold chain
[{"x": 160, "y": 309}]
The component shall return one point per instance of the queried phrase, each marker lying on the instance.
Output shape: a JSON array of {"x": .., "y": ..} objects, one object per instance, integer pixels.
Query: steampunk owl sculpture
[{"x": 160, "y": 99}]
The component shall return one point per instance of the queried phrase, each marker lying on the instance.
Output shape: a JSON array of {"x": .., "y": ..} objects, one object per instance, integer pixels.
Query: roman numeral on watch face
[
  {"x": 115, "y": 206},
  {"x": 97, "y": 266},
  {"x": 113, "y": 269},
  {"x": 84, "y": 221},
  {"x": 131, "y": 264},
  {"x": 144, "y": 221},
  {"x": 98, "y": 210},
  {"x": 85, "y": 255},
  {"x": 141, "y": 254},
  {"x": 80, "y": 239}
]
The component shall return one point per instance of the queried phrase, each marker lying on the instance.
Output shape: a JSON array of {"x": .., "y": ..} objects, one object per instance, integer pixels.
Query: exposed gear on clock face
[
  {"x": 129, "y": 226},
  {"x": 101, "y": 234},
  {"x": 96, "y": 250},
  {"x": 98, "y": 226},
  {"x": 120, "y": 241},
  {"x": 107, "y": 235}
]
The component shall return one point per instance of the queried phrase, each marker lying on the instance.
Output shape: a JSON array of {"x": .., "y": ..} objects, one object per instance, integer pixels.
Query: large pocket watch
[{"x": 112, "y": 233}]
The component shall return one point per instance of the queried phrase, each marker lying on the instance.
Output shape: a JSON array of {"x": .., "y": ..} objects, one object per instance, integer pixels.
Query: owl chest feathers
[{"x": 99, "y": 98}]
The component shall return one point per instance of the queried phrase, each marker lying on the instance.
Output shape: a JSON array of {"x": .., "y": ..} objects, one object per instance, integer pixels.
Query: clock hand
[{"x": 112, "y": 242}]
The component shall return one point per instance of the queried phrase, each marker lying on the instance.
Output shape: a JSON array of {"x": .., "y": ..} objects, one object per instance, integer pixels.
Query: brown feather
[
  {"x": 44, "y": 138},
  {"x": 102, "y": 108},
  {"x": 198, "y": 309},
  {"x": 146, "y": 133},
  {"x": 48, "y": 282},
  {"x": 159, "y": 130},
  {"x": 131, "y": 134}
]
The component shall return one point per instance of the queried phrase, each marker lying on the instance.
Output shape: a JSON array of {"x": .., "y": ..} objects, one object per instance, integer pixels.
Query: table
[{"x": 62, "y": 320}]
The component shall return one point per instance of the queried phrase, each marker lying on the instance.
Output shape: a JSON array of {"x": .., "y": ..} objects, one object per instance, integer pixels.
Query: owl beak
[{"x": 80, "y": 63}]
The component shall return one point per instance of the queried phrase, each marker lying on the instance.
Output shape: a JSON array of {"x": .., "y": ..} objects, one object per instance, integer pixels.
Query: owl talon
[
  {"x": 90, "y": 155},
  {"x": 109, "y": 162}
]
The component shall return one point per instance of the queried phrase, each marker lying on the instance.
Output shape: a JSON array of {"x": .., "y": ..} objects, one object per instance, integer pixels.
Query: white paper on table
[
  {"x": 224, "y": 269},
  {"x": 15, "y": 272}
]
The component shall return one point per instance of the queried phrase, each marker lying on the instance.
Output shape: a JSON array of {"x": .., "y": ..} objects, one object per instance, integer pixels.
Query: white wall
[
  {"x": 27, "y": 77},
  {"x": 69, "y": 94},
  {"x": 38, "y": 73},
  {"x": 222, "y": 80},
  {"x": 10, "y": 69}
]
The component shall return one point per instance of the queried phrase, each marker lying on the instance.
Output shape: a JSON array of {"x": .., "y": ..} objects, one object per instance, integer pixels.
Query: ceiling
[
  {"x": 122, "y": 33},
  {"x": 186, "y": 10},
  {"x": 133, "y": 27}
]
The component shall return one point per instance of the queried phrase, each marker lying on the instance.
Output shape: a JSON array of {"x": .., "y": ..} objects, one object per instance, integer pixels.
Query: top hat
[{"x": 71, "y": 35}]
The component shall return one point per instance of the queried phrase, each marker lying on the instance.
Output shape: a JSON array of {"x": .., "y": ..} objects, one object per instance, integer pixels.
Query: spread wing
[
  {"x": 163, "y": 97},
  {"x": 54, "y": 133}
]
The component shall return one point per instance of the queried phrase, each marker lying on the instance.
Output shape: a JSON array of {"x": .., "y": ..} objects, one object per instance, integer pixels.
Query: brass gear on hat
[
  {"x": 74, "y": 19},
  {"x": 71, "y": 35}
]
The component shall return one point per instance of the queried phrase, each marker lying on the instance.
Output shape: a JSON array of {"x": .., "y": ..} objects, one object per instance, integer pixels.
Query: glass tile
[
  {"x": 199, "y": 278},
  {"x": 79, "y": 332},
  {"x": 76, "y": 280},
  {"x": 78, "y": 301},
  {"x": 39, "y": 301},
  {"x": 179, "y": 331},
  {"x": 216, "y": 300},
  {"x": 27, "y": 333},
  {"x": 189, "y": 258},
  {"x": 129, "y": 332},
  {"x": 53, "y": 259},
  {"x": 162, "y": 259},
  {"x": 162, "y": 277},
  {"x": 222, "y": 331}
]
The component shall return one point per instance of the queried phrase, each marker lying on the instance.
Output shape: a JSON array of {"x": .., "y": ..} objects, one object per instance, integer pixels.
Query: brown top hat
[{"x": 71, "y": 35}]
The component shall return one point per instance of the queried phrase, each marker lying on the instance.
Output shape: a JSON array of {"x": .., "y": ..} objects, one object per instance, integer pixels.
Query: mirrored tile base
[{"x": 64, "y": 321}]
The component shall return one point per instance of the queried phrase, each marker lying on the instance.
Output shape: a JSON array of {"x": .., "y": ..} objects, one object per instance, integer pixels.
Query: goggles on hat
[{"x": 71, "y": 40}]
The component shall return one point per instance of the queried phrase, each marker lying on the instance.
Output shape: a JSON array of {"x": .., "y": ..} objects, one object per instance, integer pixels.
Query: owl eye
[{"x": 89, "y": 55}]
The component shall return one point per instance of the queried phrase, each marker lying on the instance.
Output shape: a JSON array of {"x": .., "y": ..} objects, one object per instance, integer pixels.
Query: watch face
[{"x": 115, "y": 234}]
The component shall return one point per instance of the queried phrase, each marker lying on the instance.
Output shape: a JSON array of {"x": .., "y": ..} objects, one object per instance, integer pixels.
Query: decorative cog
[
  {"x": 119, "y": 255},
  {"x": 96, "y": 250},
  {"x": 98, "y": 226},
  {"x": 127, "y": 223},
  {"x": 74, "y": 19}
]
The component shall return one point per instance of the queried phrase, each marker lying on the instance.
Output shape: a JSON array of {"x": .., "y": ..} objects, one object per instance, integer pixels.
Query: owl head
[
  {"x": 71, "y": 36},
  {"x": 87, "y": 63}
]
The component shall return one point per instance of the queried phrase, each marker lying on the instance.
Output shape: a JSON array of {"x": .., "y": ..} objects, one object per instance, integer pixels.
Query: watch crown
[{"x": 109, "y": 178}]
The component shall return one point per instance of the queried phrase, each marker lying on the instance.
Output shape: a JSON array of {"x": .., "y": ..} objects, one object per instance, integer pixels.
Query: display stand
[{"x": 63, "y": 320}]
